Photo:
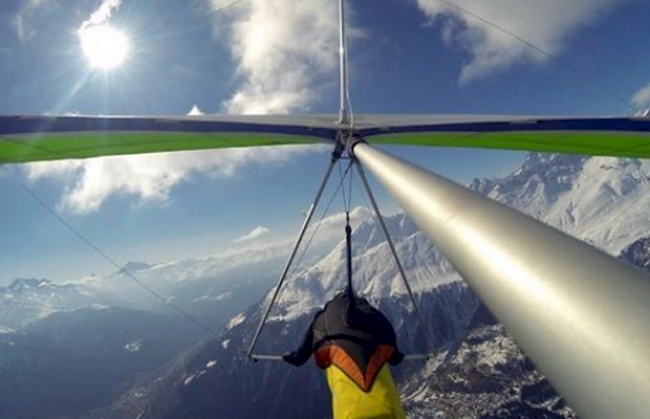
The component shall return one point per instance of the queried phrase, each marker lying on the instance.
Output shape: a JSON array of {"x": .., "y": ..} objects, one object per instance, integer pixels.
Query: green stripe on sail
[
  {"x": 21, "y": 149},
  {"x": 77, "y": 146},
  {"x": 587, "y": 143}
]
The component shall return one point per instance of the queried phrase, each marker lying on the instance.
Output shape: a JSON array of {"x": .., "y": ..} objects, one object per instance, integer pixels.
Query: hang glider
[
  {"x": 41, "y": 138},
  {"x": 549, "y": 289}
]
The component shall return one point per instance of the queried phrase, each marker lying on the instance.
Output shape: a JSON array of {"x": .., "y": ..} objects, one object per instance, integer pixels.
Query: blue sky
[{"x": 278, "y": 56}]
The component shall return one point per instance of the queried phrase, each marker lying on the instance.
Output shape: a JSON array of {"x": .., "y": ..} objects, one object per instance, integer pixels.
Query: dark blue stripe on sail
[
  {"x": 18, "y": 125},
  {"x": 584, "y": 124}
]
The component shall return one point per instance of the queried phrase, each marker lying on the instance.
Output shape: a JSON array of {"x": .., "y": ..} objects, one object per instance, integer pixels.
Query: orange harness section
[{"x": 334, "y": 354}]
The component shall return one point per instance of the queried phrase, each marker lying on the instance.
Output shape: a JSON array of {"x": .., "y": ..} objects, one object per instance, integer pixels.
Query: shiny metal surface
[
  {"x": 581, "y": 315},
  {"x": 344, "y": 114}
]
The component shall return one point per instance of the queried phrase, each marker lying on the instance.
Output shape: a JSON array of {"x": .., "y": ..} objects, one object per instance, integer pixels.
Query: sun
[{"x": 105, "y": 47}]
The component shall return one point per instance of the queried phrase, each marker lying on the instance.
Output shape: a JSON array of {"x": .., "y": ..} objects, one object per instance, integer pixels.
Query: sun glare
[{"x": 104, "y": 47}]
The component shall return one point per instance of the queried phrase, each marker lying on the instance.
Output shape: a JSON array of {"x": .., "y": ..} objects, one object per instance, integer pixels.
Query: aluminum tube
[{"x": 581, "y": 315}]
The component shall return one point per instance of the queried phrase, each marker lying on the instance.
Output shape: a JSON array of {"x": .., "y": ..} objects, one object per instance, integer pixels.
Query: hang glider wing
[
  {"x": 39, "y": 138},
  {"x": 625, "y": 137}
]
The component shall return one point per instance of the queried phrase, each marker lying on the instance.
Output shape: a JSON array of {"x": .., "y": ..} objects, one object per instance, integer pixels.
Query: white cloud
[
  {"x": 642, "y": 97},
  {"x": 256, "y": 233},
  {"x": 150, "y": 178},
  {"x": 102, "y": 14},
  {"x": 282, "y": 48},
  {"x": 544, "y": 23}
]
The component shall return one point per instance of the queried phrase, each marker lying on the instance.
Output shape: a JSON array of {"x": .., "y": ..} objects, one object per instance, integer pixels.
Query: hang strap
[{"x": 348, "y": 242}]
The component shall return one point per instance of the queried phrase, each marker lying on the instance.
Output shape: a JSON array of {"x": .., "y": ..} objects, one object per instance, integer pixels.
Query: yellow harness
[{"x": 351, "y": 402}]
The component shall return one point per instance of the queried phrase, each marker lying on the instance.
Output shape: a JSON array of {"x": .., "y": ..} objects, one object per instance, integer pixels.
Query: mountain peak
[
  {"x": 23, "y": 284},
  {"x": 536, "y": 185},
  {"x": 535, "y": 162}
]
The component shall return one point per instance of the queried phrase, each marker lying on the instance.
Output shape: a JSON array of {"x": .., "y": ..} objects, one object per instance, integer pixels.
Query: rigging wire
[
  {"x": 320, "y": 222},
  {"x": 350, "y": 181},
  {"x": 112, "y": 261},
  {"x": 563, "y": 63},
  {"x": 225, "y": 6},
  {"x": 346, "y": 205}
]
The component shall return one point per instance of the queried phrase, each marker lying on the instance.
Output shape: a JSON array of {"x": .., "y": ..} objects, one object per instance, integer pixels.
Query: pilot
[{"x": 353, "y": 342}]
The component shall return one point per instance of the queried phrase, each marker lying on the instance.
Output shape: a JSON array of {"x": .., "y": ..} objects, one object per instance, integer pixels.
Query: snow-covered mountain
[
  {"x": 27, "y": 300},
  {"x": 601, "y": 200},
  {"x": 479, "y": 371},
  {"x": 426, "y": 269}
]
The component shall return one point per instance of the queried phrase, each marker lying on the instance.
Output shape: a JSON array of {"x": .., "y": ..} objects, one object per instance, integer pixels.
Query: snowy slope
[
  {"x": 424, "y": 267},
  {"x": 601, "y": 200}
]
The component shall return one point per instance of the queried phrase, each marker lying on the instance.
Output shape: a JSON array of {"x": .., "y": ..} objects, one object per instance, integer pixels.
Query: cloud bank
[
  {"x": 544, "y": 23},
  {"x": 150, "y": 178},
  {"x": 282, "y": 50},
  {"x": 256, "y": 233}
]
